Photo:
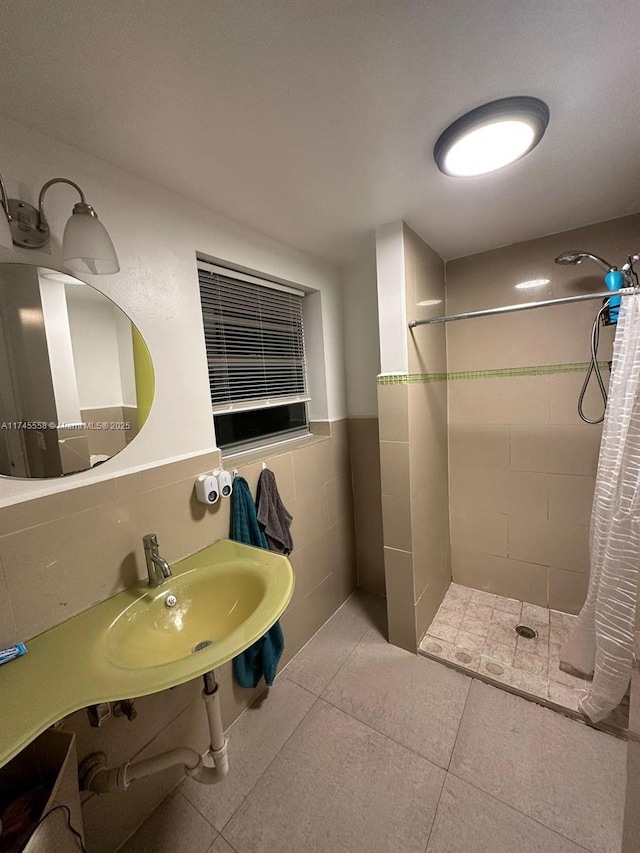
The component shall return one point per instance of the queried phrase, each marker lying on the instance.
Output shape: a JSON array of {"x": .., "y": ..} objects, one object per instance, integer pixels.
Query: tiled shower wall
[
  {"x": 522, "y": 463},
  {"x": 413, "y": 462},
  {"x": 63, "y": 553}
]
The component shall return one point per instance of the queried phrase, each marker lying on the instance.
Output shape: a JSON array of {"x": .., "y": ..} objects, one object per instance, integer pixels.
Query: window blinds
[{"x": 254, "y": 339}]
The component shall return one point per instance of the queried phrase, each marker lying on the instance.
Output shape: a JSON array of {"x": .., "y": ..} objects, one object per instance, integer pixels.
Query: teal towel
[
  {"x": 244, "y": 519},
  {"x": 260, "y": 659}
]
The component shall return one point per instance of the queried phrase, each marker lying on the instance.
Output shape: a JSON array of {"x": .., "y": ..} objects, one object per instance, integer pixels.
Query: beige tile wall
[
  {"x": 522, "y": 464},
  {"x": 108, "y": 441},
  {"x": 413, "y": 461},
  {"x": 364, "y": 438},
  {"x": 63, "y": 553}
]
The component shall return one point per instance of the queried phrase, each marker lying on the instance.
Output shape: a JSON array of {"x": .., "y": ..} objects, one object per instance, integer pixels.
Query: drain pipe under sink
[{"x": 207, "y": 769}]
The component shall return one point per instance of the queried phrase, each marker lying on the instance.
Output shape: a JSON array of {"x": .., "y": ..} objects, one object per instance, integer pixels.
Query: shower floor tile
[{"x": 475, "y": 631}]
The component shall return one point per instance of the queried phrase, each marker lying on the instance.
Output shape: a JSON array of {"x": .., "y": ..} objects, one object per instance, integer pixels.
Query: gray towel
[{"x": 273, "y": 515}]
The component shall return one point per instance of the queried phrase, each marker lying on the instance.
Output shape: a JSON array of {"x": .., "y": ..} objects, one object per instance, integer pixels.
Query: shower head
[
  {"x": 572, "y": 258},
  {"x": 569, "y": 258}
]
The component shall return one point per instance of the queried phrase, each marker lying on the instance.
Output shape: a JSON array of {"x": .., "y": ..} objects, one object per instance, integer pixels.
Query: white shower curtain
[{"x": 602, "y": 642}]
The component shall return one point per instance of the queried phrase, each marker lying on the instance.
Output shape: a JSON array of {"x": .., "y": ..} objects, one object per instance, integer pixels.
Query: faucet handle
[{"x": 150, "y": 540}]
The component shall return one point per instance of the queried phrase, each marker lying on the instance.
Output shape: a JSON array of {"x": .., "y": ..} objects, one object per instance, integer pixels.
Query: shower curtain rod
[{"x": 526, "y": 306}]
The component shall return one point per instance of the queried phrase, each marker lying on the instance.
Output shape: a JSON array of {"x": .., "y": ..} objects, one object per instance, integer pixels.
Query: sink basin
[
  {"x": 211, "y": 604},
  {"x": 227, "y": 596},
  {"x": 216, "y": 603}
]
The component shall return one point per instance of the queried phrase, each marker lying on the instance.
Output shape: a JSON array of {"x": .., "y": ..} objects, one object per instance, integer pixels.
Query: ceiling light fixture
[
  {"x": 86, "y": 245},
  {"x": 428, "y": 302},
  {"x": 491, "y": 136},
  {"x": 535, "y": 282}
]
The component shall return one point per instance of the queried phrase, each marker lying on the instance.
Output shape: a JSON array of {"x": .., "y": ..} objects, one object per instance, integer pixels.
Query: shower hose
[{"x": 594, "y": 367}]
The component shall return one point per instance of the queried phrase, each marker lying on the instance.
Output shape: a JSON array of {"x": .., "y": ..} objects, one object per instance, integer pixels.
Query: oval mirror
[{"x": 76, "y": 380}]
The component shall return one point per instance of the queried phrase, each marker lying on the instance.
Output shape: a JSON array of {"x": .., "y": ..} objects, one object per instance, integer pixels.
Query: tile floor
[
  {"x": 360, "y": 747},
  {"x": 475, "y": 630}
]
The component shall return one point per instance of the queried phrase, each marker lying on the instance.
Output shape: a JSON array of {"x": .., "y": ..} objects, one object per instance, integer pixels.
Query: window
[{"x": 255, "y": 352}]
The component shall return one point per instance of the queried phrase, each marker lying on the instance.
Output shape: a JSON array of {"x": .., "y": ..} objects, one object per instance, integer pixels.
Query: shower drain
[
  {"x": 526, "y": 632},
  {"x": 202, "y": 645}
]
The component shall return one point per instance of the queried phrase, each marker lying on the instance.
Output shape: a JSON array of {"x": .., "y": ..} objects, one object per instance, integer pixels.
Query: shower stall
[{"x": 491, "y": 394}]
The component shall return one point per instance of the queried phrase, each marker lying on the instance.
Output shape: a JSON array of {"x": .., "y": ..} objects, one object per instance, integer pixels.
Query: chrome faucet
[{"x": 157, "y": 567}]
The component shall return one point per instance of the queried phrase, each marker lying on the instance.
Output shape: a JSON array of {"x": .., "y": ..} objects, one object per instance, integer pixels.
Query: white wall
[
  {"x": 126, "y": 363},
  {"x": 58, "y": 334},
  {"x": 392, "y": 309},
  {"x": 95, "y": 338},
  {"x": 157, "y": 235},
  {"x": 314, "y": 342},
  {"x": 361, "y": 343}
]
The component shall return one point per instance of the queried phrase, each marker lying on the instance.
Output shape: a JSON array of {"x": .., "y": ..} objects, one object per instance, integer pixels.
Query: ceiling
[{"x": 313, "y": 121}]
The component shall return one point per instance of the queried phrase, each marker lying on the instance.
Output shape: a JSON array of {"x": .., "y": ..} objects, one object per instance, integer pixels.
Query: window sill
[{"x": 267, "y": 451}]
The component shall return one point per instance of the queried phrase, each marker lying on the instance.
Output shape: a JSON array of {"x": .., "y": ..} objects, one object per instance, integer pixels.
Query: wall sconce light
[{"x": 86, "y": 245}]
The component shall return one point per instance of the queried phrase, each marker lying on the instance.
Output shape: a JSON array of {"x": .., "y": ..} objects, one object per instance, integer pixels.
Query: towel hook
[
  {"x": 264, "y": 466},
  {"x": 235, "y": 473}
]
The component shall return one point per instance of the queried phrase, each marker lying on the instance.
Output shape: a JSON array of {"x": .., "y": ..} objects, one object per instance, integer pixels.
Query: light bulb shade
[
  {"x": 87, "y": 247},
  {"x": 5, "y": 232},
  {"x": 491, "y": 136}
]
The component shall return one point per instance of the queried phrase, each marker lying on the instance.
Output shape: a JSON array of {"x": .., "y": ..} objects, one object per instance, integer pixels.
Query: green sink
[
  {"x": 201, "y": 608},
  {"x": 227, "y": 596}
]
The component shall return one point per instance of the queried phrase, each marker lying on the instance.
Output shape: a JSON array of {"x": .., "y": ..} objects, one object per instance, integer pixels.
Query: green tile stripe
[{"x": 540, "y": 370}]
